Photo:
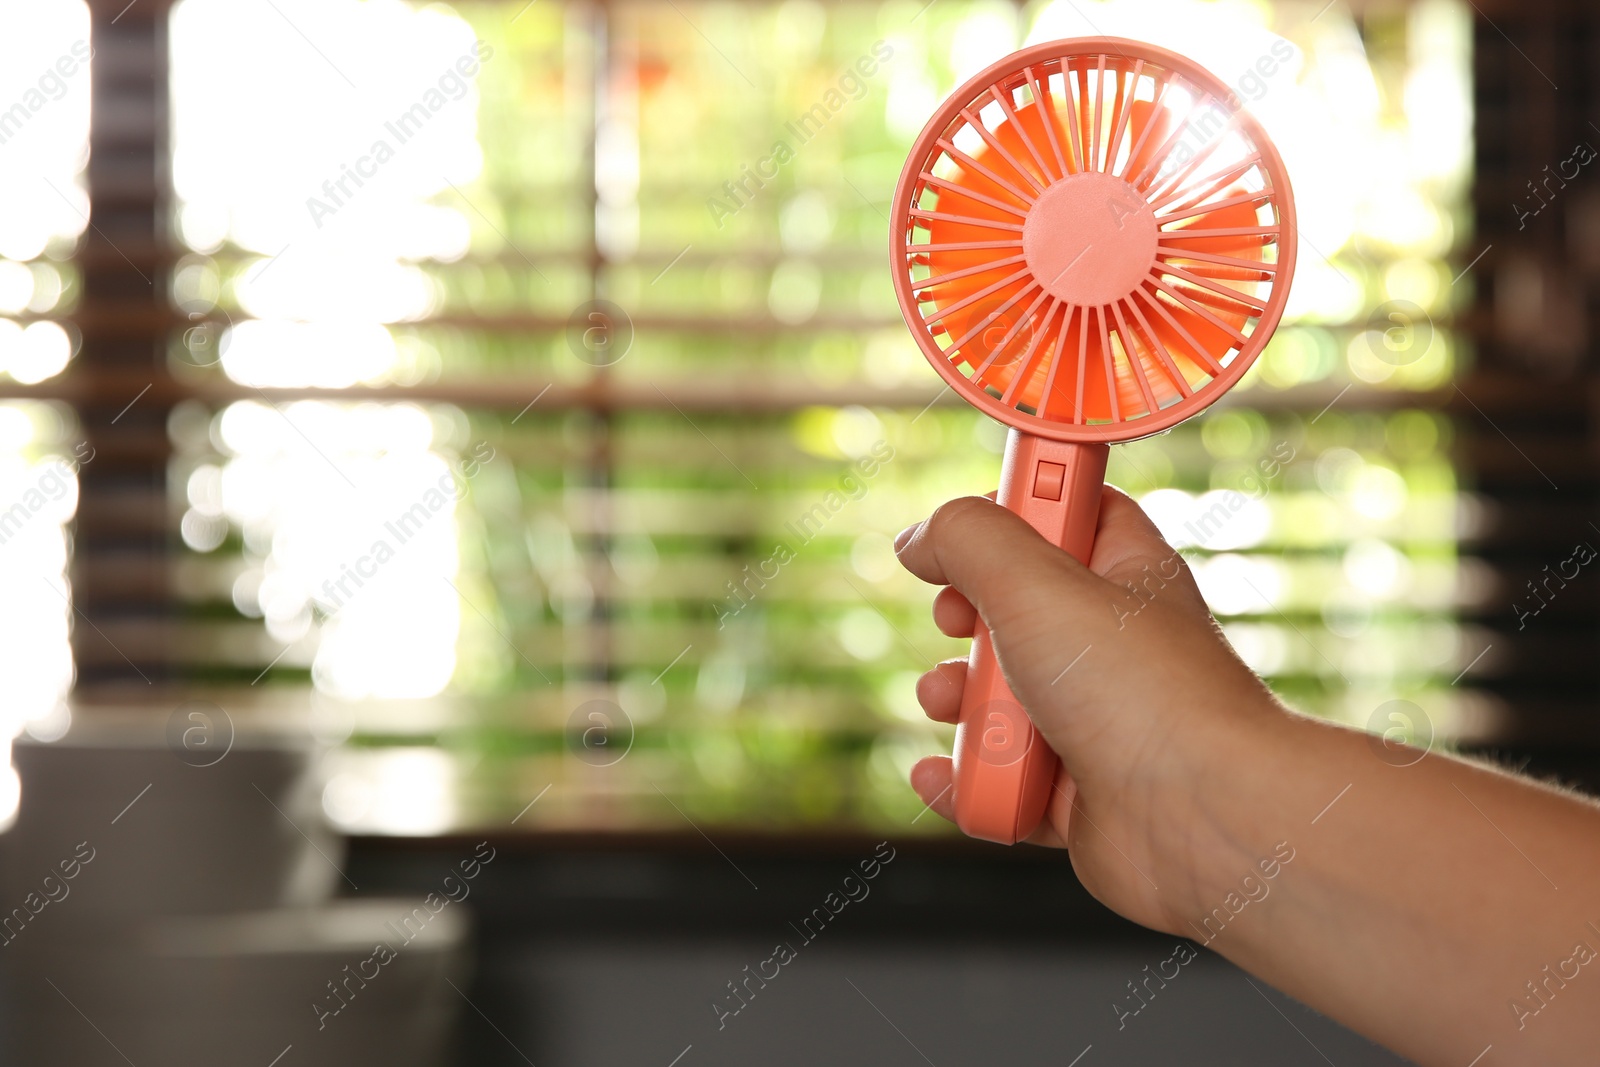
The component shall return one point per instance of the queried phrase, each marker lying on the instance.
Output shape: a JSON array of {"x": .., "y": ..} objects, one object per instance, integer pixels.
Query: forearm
[
  {"x": 1420, "y": 900},
  {"x": 1438, "y": 908}
]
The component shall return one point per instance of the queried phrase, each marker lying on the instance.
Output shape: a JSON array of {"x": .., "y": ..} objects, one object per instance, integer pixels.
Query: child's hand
[{"x": 1152, "y": 695}]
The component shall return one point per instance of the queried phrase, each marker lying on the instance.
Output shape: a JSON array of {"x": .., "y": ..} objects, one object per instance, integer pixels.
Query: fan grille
[{"x": 1094, "y": 241}]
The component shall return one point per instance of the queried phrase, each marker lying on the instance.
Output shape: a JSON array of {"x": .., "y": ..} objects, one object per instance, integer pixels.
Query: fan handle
[{"x": 1004, "y": 769}]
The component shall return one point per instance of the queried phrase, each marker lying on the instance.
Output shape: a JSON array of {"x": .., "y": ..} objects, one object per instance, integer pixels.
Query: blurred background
[{"x": 431, "y": 432}]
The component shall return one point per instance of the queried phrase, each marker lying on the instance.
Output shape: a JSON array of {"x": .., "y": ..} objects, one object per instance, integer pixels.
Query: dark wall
[{"x": 600, "y": 952}]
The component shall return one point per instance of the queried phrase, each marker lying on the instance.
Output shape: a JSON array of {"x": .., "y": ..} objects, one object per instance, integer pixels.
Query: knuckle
[{"x": 955, "y": 515}]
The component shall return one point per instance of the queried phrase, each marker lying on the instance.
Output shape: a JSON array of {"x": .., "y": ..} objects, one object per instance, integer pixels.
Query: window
[
  {"x": 540, "y": 413},
  {"x": 44, "y": 126}
]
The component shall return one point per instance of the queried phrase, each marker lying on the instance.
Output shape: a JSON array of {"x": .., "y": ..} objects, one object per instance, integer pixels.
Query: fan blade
[
  {"x": 1171, "y": 377},
  {"x": 1150, "y": 125},
  {"x": 1207, "y": 265},
  {"x": 1196, "y": 344},
  {"x": 1076, "y": 369},
  {"x": 1029, "y": 135},
  {"x": 1238, "y": 216},
  {"x": 1244, "y": 281},
  {"x": 1025, "y": 350},
  {"x": 971, "y": 193}
]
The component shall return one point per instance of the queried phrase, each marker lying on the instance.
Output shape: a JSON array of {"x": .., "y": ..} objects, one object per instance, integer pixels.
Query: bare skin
[{"x": 1422, "y": 898}]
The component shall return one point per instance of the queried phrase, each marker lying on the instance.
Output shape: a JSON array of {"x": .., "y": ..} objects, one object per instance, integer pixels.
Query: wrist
[{"x": 1218, "y": 828}]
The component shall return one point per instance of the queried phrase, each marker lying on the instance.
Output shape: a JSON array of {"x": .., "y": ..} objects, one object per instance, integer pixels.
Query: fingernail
[{"x": 905, "y": 535}]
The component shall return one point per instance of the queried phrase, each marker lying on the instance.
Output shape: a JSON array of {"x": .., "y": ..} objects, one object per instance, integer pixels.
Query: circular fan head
[{"x": 1093, "y": 242}]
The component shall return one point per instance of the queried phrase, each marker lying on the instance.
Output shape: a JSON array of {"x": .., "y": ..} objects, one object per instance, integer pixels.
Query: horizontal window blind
[
  {"x": 539, "y": 413},
  {"x": 45, "y": 89}
]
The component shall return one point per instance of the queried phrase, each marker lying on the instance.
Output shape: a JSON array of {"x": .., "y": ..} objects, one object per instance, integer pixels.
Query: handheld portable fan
[{"x": 1091, "y": 244}]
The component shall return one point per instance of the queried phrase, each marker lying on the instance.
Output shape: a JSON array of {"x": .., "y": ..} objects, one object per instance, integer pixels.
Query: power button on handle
[{"x": 1048, "y": 480}]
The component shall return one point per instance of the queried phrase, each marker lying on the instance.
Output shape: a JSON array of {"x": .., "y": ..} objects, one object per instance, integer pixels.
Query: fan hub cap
[{"x": 1090, "y": 239}]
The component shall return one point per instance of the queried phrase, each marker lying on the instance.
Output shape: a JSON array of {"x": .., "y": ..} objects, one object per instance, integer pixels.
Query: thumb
[
  {"x": 972, "y": 541},
  {"x": 1039, "y": 603},
  {"x": 1042, "y": 606},
  {"x": 990, "y": 555}
]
